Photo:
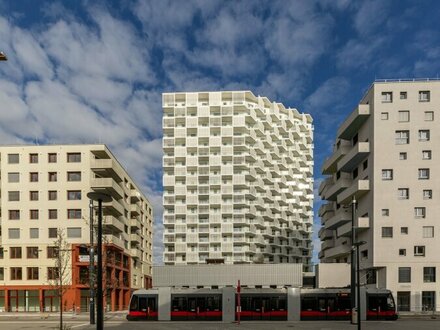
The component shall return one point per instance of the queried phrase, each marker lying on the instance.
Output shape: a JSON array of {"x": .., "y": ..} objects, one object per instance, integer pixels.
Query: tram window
[
  {"x": 390, "y": 302},
  {"x": 142, "y": 304},
  {"x": 213, "y": 303},
  {"x": 152, "y": 304},
  {"x": 245, "y": 303},
  {"x": 134, "y": 303},
  {"x": 179, "y": 304},
  {"x": 309, "y": 304},
  {"x": 344, "y": 303}
]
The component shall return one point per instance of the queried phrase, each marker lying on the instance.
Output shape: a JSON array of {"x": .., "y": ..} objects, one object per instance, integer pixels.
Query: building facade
[
  {"x": 44, "y": 193},
  {"x": 384, "y": 157},
  {"x": 238, "y": 180}
]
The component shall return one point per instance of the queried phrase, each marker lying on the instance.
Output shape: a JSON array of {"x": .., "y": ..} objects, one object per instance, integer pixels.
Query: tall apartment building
[
  {"x": 385, "y": 157},
  {"x": 43, "y": 189},
  {"x": 237, "y": 180}
]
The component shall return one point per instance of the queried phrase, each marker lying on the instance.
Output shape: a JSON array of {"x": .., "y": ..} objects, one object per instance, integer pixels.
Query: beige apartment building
[
  {"x": 44, "y": 189},
  {"x": 238, "y": 180},
  {"x": 386, "y": 157}
]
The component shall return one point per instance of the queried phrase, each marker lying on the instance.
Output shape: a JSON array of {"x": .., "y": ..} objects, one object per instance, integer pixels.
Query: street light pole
[
  {"x": 353, "y": 257},
  {"x": 92, "y": 268},
  {"x": 100, "y": 197},
  {"x": 358, "y": 284}
]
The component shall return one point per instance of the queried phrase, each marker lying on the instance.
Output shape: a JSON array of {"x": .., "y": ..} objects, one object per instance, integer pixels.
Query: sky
[{"x": 83, "y": 71}]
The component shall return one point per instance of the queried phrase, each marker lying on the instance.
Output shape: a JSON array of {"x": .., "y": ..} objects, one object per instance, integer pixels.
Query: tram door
[
  {"x": 149, "y": 306},
  {"x": 326, "y": 307},
  {"x": 196, "y": 308}
]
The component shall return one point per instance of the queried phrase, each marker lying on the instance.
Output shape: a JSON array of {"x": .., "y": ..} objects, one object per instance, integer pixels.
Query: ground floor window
[
  {"x": 24, "y": 300},
  {"x": 2, "y": 301},
  {"x": 403, "y": 301},
  {"x": 428, "y": 300},
  {"x": 51, "y": 301}
]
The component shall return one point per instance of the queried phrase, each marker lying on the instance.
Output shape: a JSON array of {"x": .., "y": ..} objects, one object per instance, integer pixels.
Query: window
[
  {"x": 53, "y": 214},
  {"x": 13, "y": 159},
  {"x": 404, "y": 274},
  {"x": 402, "y": 137},
  {"x": 2, "y": 274},
  {"x": 403, "y": 95},
  {"x": 354, "y": 140},
  {"x": 13, "y": 196},
  {"x": 34, "y": 233},
  {"x": 429, "y": 115},
  {"x": 15, "y": 252},
  {"x": 16, "y": 273},
  {"x": 33, "y": 177},
  {"x": 427, "y": 194},
  {"x": 53, "y": 232},
  {"x": 33, "y": 158},
  {"x": 74, "y": 232},
  {"x": 364, "y": 254},
  {"x": 13, "y": 177},
  {"x": 73, "y": 176},
  {"x": 32, "y": 252},
  {"x": 424, "y": 135},
  {"x": 385, "y": 212},
  {"x": 428, "y": 301},
  {"x": 419, "y": 212},
  {"x": 52, "y": 252},
  {"x": 419, "y": 251},
  {"x": 33, "y": 214},
  {"x": 402, "y": 252},
  {"x": 403, "y": 156},
  {"x": 73, "y": 157},
  {"x": 387, "y": 232},
  {"x": 387, "y": 97},
  {"x": 403, "y": 116},
  {"x": 387, "y": 174},
  {"x": 384, "y": 115},
  {"x": 365, "y": 164},
  {"x": 423, "y": 173},
  {"x": 32, "y": 273},
  {"x": 73, "y": 195},
  {"x": 33, "y": 195},
  {"x": 426, "y": 154},
  {"x": 14, "y": 214},
  {"x": 52, "y": 176},
  {"x": 52, "y": 273},
  {"x": 428, "y": 231},
  {"x": 424, "y": 96},
  {"x": 404, "y": 230},
  {"x": 403, "y": 193},
  {"x": 429, "y": 274},
  {"x": 74, "y": 214},
  {"x": 14, "y": 233},
  {"x": 355, "y": 173},
  {"x": 52, "y": 158},
  {"x": 52, "y": 195}
]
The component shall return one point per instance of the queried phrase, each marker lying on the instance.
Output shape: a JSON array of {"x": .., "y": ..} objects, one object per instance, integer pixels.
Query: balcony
[
  {"x": 353, "y": 123},
  {"x": 327, "y": 245},
  {"x": 135, "y": 253},
  {"x": 352, "y": 159},
  {"x": 135, "y": 209},
  {"x": 332, "y": 192},
  {"x": 338, "y": 251},
  {"x": 134, "y": 222},
  {"x": 330, "y": 163},
  {"x": 135, "y": 238},
  {"x": 325, "y": 233},
  {"x": 358, "y": 189},
  {"x": 113, "y": 224},
  {"x": 107, "y": 167},
  {"x": 111, "y": 239},
  {"x": 341, "y": 217},
  {"x": 107, "y": 185},
  {"x": 362, "y": 225},
  {"x": 324, "y": 185},
  {"x": 113, "y": 208}
]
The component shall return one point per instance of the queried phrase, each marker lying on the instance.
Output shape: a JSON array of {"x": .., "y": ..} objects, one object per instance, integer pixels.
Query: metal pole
[
  {"x": 353, "y": 264},
  {"x": 100, "y": 321},
  {"x": 238, "y": 302},
  {"x": 358, "y": 280},
  {"x": 92, "y": 268}
]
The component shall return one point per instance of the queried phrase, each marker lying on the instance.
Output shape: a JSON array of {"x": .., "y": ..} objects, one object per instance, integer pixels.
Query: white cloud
[{"x": 370, "y": 16}]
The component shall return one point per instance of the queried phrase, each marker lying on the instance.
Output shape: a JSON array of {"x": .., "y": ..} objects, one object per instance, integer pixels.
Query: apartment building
[
  {"x": 238, "y": 180},
  {"x": 385, "y": 157},
  {"x": 43, "y": 191}
]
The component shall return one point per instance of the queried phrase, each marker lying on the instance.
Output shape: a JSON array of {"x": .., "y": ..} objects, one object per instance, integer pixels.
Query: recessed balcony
[
  {"x": 135, "y": 253},
  {"x": 338, "y": 251},
  {"x": 332, "y": 192},
  {"x": 341, "y": 217},
  {"x": 353, "y": 123},
  {"x": 357, "y": 189},
  {"x": 113, "y": 208},
  {"x": 362, "y": 225},
  {"x": 330, "y": 164},
  {"x": 353, "y": 158},
  {"x": 112, "y": 223}
]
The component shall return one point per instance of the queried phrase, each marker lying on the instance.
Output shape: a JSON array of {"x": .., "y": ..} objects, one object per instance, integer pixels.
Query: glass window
[
  {"x": 73, "y": 157},
  {"x": 52, "y": 176},
  {"x": 53, "y": 232},
  {"x": 403, "y": 156},
  {"x": 403, "y": 301},
  {"x": 15, "y": 252},
  {"x": 52, "y": 195},
  {"x": 387, "y": 174},
  {"x": 429, "y": 274},
  {"x": 427, "y": 194},
  {"x": 14, "y": 233},
  {"x": 420, "y": 212},
  {"x": 33, "y": 158},
  {"x": 403, "y": 95},
  {"x": 384, "y": 116},
  {"x": 52, "y": 273},
  {"x": 13, "y": 177},
  {"x": 53, "y": 214},
  {"x": 13, "y": 159},
  {"x": 424, "y": 135},
  {"x": 402, "y": 137},
  {"x": 52, "y": 252},
  {"x": 52, "y": 158},
  {"x": 428, "y": 231},
  {"x": 74, "y": 195},
  {"x": 33, "y": 177},
  {"x": 385, "y": 212},
  {"x": 32, "y": 273},
  {"x": 34, "y": 233},
  {"x": 32, "y": 252},
  {"x": 73, "y": 176},
  {"x": 387, "y": 97},
  {"x": 424, "y": 96},
  {"x": 402, "y": 252},
  {"x": 33, "y": 195},
  {"x": 404, "y": 274},
  {"x": 423, "y": 173},
  {"x": 74, "y": 232},
  {"x": 404, "y": 230},
  {"x": 74, "y": 214},
  {"x": 428, "y": 300},
  {"x": 387, "y": 231},
  {"x": 14, "y": 214},
  {"x": 403, "y": 116},
  {"x": 13, "y": 196},
  {"x": 33, "y": 214},
  {"x": 16, "y": 273},
  {"x": 403, "y": 193},
  {"x": 419, "y": 250},
  {"x": 429, "y": 115},
  {"x": 426, "y": 154}
]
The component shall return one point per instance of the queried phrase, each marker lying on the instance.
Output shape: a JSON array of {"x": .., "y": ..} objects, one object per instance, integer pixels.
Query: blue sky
[{"x": 93, "y": 71}]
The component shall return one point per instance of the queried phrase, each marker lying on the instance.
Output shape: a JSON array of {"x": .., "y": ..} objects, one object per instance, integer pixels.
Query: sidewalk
[{"x": 66, "y": 315}]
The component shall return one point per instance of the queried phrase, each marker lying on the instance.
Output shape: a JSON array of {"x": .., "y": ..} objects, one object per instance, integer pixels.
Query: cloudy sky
[{"x": 83, "y": 71}]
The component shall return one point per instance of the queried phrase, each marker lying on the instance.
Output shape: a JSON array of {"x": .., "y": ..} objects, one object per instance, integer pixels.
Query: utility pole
[
  {"x": 92, "y": 268},
  {"x": 353, "y": 258}
]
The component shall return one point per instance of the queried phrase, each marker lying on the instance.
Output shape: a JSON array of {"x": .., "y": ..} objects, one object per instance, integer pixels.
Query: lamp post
[
  {"x": 353, "y": 257},
  {"x": 92, "y": 268},
  {"x": 358, "y": 280},
  {"x": 3, "y": 57},
  {"x": 100, "y": 197}
]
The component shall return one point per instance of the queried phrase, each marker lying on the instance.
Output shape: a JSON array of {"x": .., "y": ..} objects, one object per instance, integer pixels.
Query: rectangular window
[
  {"x": 385, "y": 212},
  {"x": 2, "y": 274},
  {"x": 53, "y": 232},
  {"x": 33, "y": 177},
  {"x": 387, "y": 231},
  {"x": 355, "y": 173},
  {"x": 13, "y": 196},
  {"x": 404, "y": 274},
  {"x": 420, "y": 212},
  {"x": 74, "y": 195},
  {"x": 32, "y": 273},
  {"x": 53, "y": 214},
  {"x": 16, "y": 273},
  {"x": 74, "y": 232},
  {"x": 14, "y": 214},
  {"x": 427, "y": 194},
  {"x": 423, "y": 173},
  {"x": 73, "y": 157},
  {"x": 402, "y": 137},
  {"x": 52, "y": 273},
  {"x": 424, "y": 96},
  {"x": 403, "y": 193},
  {"x": 404, "y": 230},
  {"x": 74, "y": 214},
  {"x": 428, "y": 301},
  {"x": 424, "y": 135},
  {"x": 13, "y": 177},
  {"x": 13, "y": 159},
  {"x": 14, "y": 233},
  {"x": 403, "y": 156},
  {"x": 52, "y": 195},
  {"x": 33, "y": 214},
  {"x": 428, "y": 231},
  {"x": 402, "y": 252},
  {"x": 426, "y": 154},
  {"x": 429, "y": 115},
  {"x": 34, "y": 233},
  {"x": 52, "y": 176},
  {"x": 387, "y": 174},
  {"x": 15, "y": 252},
  {"x": 52, "y": 158},
  {"x": 33, "y": 158},
  {"x": 429, "y": 274},
  {"x": 384, "y": 116},
  {"x": 73, "y": 176},
  {"x": 403, "y": 95},
  {"x": 32, "y": 252},
  {"x": 52, "y": 252},
  {"x": 419, "y": 251},
  {"x": 387, "y": 97},
  {"x": 33, "y": 195},
  {"x": 403, "y": 116}
]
